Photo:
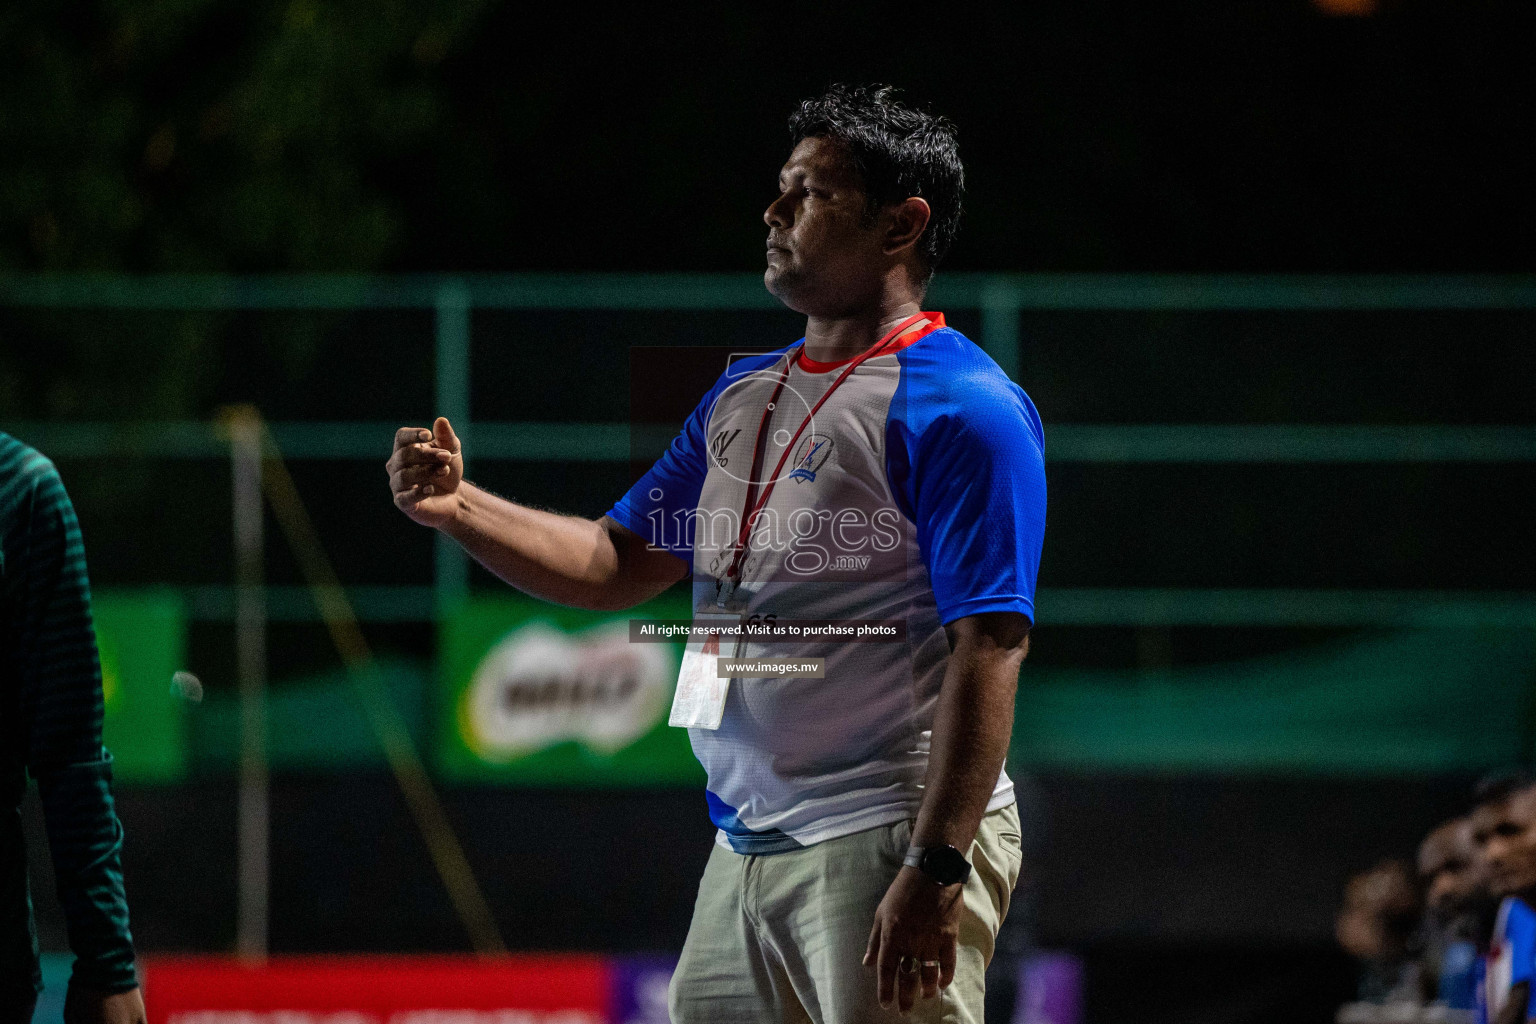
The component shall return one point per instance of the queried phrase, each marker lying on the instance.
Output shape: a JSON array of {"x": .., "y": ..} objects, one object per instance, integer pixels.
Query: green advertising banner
[
  {"x": 539, "y": 695},
  {"x": 141, "y": 636},
  {"x": 1412, "y": 702},
  {"x": 295, "y": 704}
]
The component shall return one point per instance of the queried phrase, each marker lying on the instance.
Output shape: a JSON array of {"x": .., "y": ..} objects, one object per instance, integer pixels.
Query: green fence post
[{"x": 1000, "y": 324}]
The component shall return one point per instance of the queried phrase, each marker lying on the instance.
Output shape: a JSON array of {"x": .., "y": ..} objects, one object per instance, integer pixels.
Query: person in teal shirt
[{"x": 50, "y": 728}]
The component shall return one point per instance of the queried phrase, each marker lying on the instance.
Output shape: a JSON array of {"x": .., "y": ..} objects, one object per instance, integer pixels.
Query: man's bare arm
[
  {"x": 971, "y": 726},
  {"x": 565, "y": 559},
  {"x": 584, "y": 563}
]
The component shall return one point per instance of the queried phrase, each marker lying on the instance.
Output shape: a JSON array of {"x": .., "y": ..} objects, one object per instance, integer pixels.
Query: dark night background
[
  {"x": 479, "y": 136},
  {"x": 471, "y": 135}
]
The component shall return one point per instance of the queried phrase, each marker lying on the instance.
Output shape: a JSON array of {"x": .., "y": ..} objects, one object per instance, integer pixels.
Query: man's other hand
[
  {"x": 918, "y": 918},
  {"x": 425, "y": 472},
  {"x": 88, "y": 1006}
]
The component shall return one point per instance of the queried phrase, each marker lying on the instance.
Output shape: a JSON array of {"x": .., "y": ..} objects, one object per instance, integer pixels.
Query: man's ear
[{"x": 906, "y": 223}]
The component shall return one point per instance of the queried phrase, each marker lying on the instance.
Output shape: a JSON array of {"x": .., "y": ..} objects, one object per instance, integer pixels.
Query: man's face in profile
[
  {"x": 824, "y": 252},
  {"x": 1453, "y": 871},
  {"x": 1505, "y": 831}
]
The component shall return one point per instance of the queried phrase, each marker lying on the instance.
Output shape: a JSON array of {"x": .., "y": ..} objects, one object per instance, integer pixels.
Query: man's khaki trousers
[{"x": 780, "y": 938}]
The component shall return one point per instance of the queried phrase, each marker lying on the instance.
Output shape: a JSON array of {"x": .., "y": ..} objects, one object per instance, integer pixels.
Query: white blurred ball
[{"x": 187, "y": 686}]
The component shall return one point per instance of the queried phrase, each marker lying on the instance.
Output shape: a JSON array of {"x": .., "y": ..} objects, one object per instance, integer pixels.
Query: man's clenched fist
[{"x": 425, "y": 472}]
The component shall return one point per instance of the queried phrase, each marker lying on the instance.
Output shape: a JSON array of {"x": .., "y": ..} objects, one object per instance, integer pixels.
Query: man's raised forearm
[
  {"x": 564, "y": 559},
  {"x": 971, "y": 728},
  {"x": 559, "y": 558}
]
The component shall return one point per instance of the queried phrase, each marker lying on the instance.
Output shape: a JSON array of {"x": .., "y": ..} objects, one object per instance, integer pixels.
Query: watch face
[{"x": 945, "y": 865}]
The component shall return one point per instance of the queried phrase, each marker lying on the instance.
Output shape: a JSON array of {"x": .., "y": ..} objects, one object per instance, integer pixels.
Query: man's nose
[
  {"x": 1494, "y": 853},
  {"x": 777, "y": 215}
]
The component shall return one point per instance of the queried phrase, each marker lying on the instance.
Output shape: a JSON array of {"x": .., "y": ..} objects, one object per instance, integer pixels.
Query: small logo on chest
[
  {"x": 721, "y": 442},
  {"x": 810, "y": 457}
]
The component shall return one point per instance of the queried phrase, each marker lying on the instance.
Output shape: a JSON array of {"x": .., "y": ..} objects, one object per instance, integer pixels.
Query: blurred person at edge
[
  {"x": 50, "y": 727},
  {"x": 1377, "y": 926},
  {"x": 1504, "y": 829},
  {"x": 1458, "y": 915}
]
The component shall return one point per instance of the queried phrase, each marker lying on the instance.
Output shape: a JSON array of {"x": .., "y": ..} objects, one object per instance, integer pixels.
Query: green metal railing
[
  {"x": 615, "y": 442},
  {"x": 1000, "y": 298}
]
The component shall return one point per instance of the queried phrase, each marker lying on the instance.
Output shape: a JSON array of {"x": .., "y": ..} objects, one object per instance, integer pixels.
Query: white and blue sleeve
[
  {"x": 965, "y": 458},
  {"x": 659, "y": 506}
]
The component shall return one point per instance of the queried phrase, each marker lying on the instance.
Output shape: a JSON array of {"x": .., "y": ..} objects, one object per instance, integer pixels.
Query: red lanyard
[{"x": 751, "y": 508}]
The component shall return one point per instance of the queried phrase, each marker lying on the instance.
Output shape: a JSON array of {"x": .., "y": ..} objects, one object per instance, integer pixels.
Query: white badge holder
[{"x": 699, "y": 700}]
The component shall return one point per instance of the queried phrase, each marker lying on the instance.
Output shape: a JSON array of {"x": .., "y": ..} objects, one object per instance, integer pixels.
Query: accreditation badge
[{"x": 699, "y": 700}]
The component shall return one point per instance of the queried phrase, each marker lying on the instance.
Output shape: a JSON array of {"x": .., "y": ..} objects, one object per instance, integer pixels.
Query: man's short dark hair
[
  {"x": 1497, "y": 787},
  {"x": 898, "y": 151}
]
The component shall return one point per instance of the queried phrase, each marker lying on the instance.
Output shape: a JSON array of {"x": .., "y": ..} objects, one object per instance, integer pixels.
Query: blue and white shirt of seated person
[
  {"x": 917, "y": 493},
  {"x": 1511, "y": 957}
]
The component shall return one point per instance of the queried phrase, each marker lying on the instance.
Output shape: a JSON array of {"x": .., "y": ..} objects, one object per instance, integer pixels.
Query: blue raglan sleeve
[
  {"x": 1521, "y": 934},
  {"x": 965, "y": 455},
  {"x": 659, "y": 507}
]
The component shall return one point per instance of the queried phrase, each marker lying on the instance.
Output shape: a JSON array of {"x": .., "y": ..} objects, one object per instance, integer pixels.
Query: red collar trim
[{"x": 917, "y": 332}]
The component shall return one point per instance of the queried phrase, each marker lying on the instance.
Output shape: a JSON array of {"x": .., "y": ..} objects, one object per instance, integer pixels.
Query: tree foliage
[{"x": 196, "y": 136}]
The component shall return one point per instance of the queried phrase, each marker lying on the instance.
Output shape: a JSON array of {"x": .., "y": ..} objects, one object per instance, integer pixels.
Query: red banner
[{"x": 571, "y": 989}]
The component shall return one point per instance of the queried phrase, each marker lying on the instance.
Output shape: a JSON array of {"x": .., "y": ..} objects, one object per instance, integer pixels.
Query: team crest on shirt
[
  {"x": 811, "y": 457},
  {"x": 721, "y": 442}
]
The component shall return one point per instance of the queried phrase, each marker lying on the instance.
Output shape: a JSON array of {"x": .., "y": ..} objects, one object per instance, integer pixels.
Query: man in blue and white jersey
[
  {"x": 1504, "y": 828},
  {"x": 881, "y": 468}
]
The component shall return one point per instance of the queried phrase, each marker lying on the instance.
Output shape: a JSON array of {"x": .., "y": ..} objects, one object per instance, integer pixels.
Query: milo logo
[{"x": 540, "y": 686}]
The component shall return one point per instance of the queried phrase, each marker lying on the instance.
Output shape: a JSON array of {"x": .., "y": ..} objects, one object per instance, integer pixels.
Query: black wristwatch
[{"x": 944, "y": 864}]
